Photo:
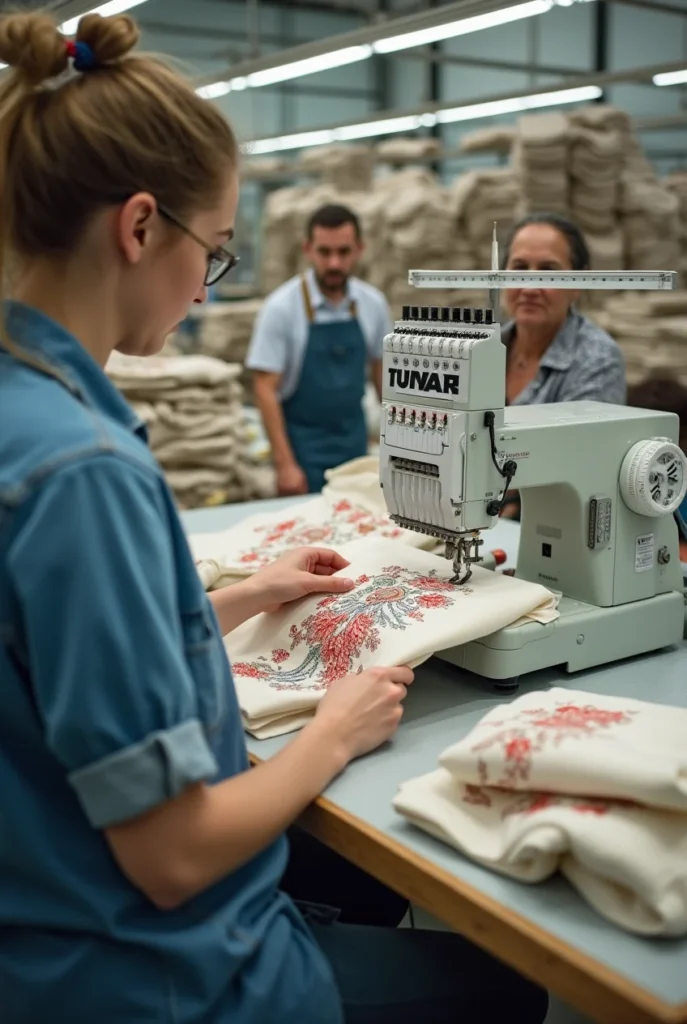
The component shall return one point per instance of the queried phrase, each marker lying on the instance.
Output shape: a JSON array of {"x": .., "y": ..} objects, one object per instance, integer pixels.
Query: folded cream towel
[
  {"x": 628, "y": 862},
  {"x": 403, "y": 608},
  {"x": 568, "y": 741}
]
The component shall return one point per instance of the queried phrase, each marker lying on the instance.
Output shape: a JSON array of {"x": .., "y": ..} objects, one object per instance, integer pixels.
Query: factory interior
[{"x": 447, "y": 340}]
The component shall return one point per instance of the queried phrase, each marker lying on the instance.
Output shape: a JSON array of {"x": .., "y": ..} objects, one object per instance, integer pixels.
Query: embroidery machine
[{"x": 598, "y": 483}]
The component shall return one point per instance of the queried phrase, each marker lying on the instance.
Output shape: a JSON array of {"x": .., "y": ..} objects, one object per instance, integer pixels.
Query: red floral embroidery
[
  {"x": 533, "y": 803},
  {"x": 433, "y": 601},
  {"x": 343, "y": 626},
  {"x": 476, "y": 795},
  {"x": 532, "y": 731},
  {"x": 348, "y": 522}
]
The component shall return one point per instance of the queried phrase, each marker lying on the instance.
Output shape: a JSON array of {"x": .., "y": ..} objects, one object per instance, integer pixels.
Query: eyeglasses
[{"x": 220, "y": 260}]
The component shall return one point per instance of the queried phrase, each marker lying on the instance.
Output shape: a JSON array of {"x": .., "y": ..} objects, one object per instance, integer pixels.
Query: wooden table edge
[{"x": 592, "y": 988}]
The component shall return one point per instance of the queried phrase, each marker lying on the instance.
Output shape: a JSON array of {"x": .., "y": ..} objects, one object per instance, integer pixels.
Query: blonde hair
[{"x": 73, "y": 142}]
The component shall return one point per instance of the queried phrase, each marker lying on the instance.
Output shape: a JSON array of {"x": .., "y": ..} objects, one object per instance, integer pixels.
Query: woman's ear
[{"x": 135, "y": 221}]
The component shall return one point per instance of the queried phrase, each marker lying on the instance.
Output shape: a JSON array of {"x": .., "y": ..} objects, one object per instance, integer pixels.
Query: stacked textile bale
[
  {"x": 407, "y": 151},
  {"x": 192, "y": 407},
  {"x": 598, "y": 138},
  {"x": 676, "y": 184},
  {"x": 651, "y": 329},
  {"x": 343, "y": 166},
  {"x": 540, "y": 159},
  {"x": 489, "y": 140},
  {"x": 223, "y": 331}
]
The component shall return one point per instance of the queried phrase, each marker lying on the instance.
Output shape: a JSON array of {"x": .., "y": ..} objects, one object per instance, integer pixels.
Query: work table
[{"x": 545, "y": 930}]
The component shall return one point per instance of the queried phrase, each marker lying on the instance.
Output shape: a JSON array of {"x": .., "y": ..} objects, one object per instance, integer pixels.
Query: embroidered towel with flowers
[
  {"x": 402, "y": 609},
  {"x": 592, "y": 786},
  {"x": 350, "y": 507}
]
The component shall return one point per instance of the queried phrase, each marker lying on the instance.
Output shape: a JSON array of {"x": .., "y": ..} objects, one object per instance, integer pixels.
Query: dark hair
[
  {"x": 332, "y": 216},
  {"x": 579, "y": 252}
]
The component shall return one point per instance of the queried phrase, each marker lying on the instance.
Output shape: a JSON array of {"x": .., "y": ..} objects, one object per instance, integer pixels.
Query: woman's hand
[
  {"x": 296, "y": 574},
  {"x": 299, "y": 573},
  {"x": 364, "y": 709}
]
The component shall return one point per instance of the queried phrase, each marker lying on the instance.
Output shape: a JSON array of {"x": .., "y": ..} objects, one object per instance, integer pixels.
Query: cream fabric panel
[{"x": 402, "y": 609}]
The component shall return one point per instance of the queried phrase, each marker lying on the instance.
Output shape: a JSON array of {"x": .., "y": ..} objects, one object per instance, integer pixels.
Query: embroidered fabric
[
  {"x": 350, "y": 507},
  {"x": 589, "y": 785},
  {"x": 628, "y": 862},
  {"x": 402, "y": 610},
  {"x": 567, "y": 741}
]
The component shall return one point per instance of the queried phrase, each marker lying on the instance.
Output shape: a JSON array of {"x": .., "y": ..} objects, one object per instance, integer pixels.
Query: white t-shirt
[{"x": 281, "y": 328}]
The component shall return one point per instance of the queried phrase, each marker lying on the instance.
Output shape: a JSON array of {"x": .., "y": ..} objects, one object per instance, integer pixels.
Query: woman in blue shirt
[{"x": 140, "y": 859}]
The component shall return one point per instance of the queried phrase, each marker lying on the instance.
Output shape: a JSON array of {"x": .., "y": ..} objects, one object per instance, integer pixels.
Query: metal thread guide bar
[{"x": 618, "y": 280}]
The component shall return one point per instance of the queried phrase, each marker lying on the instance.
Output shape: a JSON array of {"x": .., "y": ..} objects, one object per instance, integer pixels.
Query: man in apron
[{"x": 312, "y": 344}]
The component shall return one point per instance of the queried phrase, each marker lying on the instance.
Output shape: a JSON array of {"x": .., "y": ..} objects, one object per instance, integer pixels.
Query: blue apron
[{"x": 325, "y": 422}]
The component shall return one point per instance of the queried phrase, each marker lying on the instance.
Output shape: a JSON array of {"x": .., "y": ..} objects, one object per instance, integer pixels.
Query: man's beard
[{"x": 332, "y": 281}]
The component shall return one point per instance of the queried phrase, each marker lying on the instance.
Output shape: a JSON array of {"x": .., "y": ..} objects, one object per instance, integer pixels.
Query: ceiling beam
[
  {"x": 420, "y": 53},
  {"x": 382, "y": 29}
]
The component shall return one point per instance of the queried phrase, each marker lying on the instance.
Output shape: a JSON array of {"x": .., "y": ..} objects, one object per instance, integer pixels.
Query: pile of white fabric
[
  {"x": 540, "y": 161},
  {"x": 588, "y": 785},
  {"x": 192, "y": 407}
]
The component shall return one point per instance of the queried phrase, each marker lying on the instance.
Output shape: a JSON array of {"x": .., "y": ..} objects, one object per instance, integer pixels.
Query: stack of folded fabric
[
  {"x": 192, "y": 408},
  {"x": 651, "y": 329},
  {"x": 676, "y": 183},
  {"x": 650, "y": 214},
  {"x": 351, "y": 506},
  {"x": 345, "y": 166},
  {"x": 407, "y": 151},
  {"x": 477, "y": 200},
  {"x": 489, "y": 140},
  {"x": 598, "y": 139},
  {"x": 540, "y": 157},
  {"x": 223, "y": 331},
  {"x": 402, "y": 609},
  {"x": 592, "y": 786}
]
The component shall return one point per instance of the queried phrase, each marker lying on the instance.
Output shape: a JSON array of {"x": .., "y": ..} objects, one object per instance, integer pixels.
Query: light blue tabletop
[{"x": 442, "y": 706}]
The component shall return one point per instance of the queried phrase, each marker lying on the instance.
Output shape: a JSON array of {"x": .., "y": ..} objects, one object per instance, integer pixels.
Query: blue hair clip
[{"x": 82, "y": 55}]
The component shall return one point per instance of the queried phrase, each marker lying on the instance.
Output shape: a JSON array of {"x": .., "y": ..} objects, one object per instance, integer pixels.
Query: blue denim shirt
[{"x": 116, "y": 694}]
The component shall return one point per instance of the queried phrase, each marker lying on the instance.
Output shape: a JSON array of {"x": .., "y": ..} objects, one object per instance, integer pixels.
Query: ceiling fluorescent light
[
  {"x": 671, "y": 78},
  {"x": 107, "y": 10},
  {"x": 310, "y": 66},
  {"x": 463, "y": 27},
  {"x": 514, "y": 106},
  {"x": 411, "y": 122}
]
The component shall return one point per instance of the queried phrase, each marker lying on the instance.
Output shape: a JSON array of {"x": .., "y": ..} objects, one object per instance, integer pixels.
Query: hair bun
[
  {"x": 110, "y": 39},
  {"x": 31, "y": 44}
]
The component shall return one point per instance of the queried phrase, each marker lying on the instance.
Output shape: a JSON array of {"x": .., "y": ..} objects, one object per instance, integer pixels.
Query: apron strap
[{"x": 309, "y": 311}]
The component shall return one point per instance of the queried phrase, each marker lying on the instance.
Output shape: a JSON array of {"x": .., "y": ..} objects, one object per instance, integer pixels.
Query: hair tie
[{"x": 82, "y": 55}]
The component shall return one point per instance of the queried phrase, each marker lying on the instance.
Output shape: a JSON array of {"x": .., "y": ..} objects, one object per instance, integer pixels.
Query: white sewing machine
[{"x": 598, "y": 483}]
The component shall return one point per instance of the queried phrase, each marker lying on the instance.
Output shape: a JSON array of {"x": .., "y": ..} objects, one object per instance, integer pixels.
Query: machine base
[{"x": 583, "y": 637}]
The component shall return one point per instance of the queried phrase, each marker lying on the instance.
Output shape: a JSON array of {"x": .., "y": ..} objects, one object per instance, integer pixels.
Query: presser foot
[{"x": 465, "y": 552}]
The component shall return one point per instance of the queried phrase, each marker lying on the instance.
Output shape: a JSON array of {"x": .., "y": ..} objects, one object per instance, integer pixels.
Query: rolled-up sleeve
[{"x": 94, "y": 575}]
